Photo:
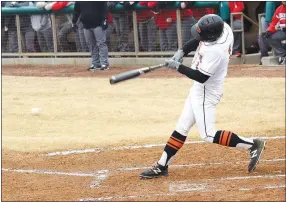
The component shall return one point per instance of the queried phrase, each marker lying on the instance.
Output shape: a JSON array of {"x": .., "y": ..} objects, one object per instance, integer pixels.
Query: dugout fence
[{"x": 126, "y": 33}]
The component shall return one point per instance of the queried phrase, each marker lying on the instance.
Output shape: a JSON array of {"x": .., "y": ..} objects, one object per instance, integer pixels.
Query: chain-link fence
[{"x": 132, "y": 33}]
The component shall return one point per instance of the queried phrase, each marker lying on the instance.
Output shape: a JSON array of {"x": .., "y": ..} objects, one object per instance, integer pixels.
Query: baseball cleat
[
  {"x": 255, "y": 153},
  {"x": 94, "y": 67},
  {"x": 104, "y": 67},
  {"x": 156, "y": 171}
]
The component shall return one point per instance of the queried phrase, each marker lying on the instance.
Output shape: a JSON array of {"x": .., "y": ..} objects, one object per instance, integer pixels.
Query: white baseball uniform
[{"x": 211, "y": 58}]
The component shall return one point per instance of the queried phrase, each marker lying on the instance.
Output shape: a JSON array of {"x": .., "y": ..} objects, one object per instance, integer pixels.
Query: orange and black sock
[
  {"x": 175, "y": 142},
  {"x": 230, "y": 139}
]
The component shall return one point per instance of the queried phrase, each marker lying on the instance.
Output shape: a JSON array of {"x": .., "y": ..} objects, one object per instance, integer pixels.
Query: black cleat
[
  {"x": 104, "y": 67},
  {"x": 255, "y": 153},
  {"x": 94, "y": 67},
  {"x": 156, "y": 171}
]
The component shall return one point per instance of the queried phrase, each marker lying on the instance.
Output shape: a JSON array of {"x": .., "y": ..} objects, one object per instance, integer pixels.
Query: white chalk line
[
  {"x": 201, "y": 164},
  {"x": 97, "y": 150},
  {"x": 98, "y": 175},
  {"x": 173, "y": 194},
  {"x": 199, "y": 188},
  {"x": 101, "y": 175},
  {"x": 186, "y": 186},
  {"x": 99, "y": 172},
  {"x": 48, "y": 172}
]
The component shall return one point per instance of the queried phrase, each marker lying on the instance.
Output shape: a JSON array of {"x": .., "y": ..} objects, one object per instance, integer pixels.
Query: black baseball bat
[{"x": 133, "y": 73}]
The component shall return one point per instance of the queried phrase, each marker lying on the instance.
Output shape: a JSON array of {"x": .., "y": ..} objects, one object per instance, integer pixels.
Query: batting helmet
[{"x": 209, "y": 28}]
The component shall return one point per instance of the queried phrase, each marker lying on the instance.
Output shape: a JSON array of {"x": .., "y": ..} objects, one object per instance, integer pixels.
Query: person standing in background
[
  {"x": 121, "y": 24},
  {"x": 109, "y": 32},
  {"x": 275, "y": 34},
  {"x": 78, "y": 29},
  {"x": 93, "y": 15},
  {"x": 64, "y": 24},
  {"x": 234, "y": 7},
  {"x": 188, "y": 21},
  {"x": 11, "y": 31},
  {"x": 42, "y": 24},
  {"x": 27, "y": 32},
  {"x": 147, "y": 28},
  {"x": 166, "y": 22}
]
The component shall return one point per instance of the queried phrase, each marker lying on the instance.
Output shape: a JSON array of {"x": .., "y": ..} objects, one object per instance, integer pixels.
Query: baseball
[{"x": 36, "y": 111}]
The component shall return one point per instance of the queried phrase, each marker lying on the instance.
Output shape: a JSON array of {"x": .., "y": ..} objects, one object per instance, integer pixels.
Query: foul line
[
  {"x": 97, "y": 150},
  {"x": 102, "y": 173},
  {"x": 200, "y": 164}
]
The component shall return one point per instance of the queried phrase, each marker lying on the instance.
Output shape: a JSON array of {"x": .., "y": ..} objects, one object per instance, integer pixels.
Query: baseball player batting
[{"x": 213, "y": 41}]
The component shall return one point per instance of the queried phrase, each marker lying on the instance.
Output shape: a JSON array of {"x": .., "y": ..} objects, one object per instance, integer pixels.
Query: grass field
[{"x": 89, "y": 112}]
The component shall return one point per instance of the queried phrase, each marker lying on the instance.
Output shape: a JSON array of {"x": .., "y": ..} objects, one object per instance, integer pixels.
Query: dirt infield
[
  {"x": 80, "y": 71},
  {"x": 200, "y": 172},
  {"x": 81, "y": 171}
]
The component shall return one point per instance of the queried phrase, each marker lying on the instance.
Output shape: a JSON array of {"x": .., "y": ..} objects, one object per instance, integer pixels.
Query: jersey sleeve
[{"x": 209, "y": 63}]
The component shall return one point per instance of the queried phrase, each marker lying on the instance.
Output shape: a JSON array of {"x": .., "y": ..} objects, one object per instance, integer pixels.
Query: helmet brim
[{"x": 195, "y": 33}]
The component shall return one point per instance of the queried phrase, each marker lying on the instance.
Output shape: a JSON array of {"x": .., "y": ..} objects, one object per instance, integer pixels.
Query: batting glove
[
  {"x": 178, "y": 56},
  {"x": 172, "y": 64}
]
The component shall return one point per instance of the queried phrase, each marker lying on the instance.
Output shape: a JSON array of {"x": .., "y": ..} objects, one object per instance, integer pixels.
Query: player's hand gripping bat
[{"x": 133, "y": 73}]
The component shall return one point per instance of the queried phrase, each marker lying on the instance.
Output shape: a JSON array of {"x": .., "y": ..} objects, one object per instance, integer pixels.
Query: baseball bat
[{"x": 133, "y": 73}]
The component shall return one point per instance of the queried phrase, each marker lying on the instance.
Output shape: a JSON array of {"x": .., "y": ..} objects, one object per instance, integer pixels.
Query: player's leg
[
  {"x": 151, "y": 34},
  {"x": 175, "y": 142},
  {"x": 91, "y": 42},
  {"x": 100, "y": 37},
  {"x": 275, "y": 42},
  {"x": 237, "y": 24},
  {"x": 205, "y": 113}
]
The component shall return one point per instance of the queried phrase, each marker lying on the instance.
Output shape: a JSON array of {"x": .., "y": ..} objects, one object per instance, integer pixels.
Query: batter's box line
[
  {"x": 97, "y": 150},
  {"x": 202, "y": 164},
  {"x": 200, "y": 188},
  {"x": 185, "y": 186},
  {"x": 99, "y": 176},
  {"x": 102, "y": 173}
]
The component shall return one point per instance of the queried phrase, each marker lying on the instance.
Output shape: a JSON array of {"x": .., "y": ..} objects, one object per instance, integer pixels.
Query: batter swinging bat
[{"x": 133, "y": 73}]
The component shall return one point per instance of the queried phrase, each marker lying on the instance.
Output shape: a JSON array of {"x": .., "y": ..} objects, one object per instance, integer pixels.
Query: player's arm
[
  {"x": 188, "y": 47},
  {"x": 191, "y": 73}
]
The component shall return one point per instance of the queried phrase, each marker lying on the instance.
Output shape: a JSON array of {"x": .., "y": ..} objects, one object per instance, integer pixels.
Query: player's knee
[
  {"x": 208, "y": 139},
  {"x": 208, "y": 136},
  {"x": 182, "y": 130}
]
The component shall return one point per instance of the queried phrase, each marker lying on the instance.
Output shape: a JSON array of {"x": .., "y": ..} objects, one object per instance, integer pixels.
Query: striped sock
[
  {"x": 230, "y": 139},
  {"x": 175, "y": 142}
]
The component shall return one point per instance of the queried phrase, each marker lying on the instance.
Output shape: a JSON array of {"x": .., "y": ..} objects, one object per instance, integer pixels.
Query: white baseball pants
[{"x": 200, "y": 110}]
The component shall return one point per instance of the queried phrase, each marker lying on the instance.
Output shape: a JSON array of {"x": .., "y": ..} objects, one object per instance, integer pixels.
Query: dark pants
[{"x": 274, "y": 41}]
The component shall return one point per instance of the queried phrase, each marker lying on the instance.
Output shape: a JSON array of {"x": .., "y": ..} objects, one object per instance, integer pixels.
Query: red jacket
[
  {"x": 163, "y": 18},
  {"x": 57, "y": 5},
  {"x": 144, "y": 15},
  {"x": 109, "y": 18},
  {"x": 236, "y": 6},
  {"x": 186, "y": 12},
  {"x": 279, "y": 17}
]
